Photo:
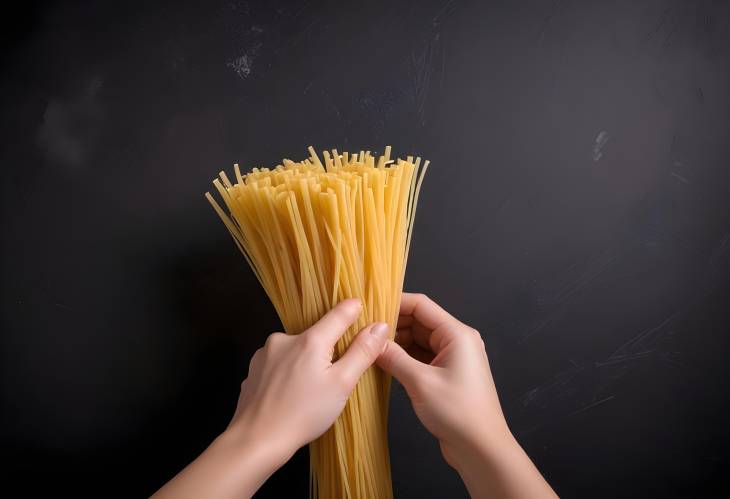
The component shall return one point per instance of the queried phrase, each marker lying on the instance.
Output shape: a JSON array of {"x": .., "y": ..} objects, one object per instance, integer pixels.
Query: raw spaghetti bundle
[{"x": 316, "y": 234}]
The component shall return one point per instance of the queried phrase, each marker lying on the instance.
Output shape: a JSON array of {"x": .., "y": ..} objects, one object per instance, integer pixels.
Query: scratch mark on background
[
  {"x": 708, "y": 33},
  {"x": 582, "y": 387},
  {"x": 640, "y": 345},
  {"x": 71, "y": 126},
  {"x": 243, "y": 65},
  {"x": 446, "y": 10},
  {"x": 625, "y": 358},
  {"x": 594, "y": 268},
  {"x": 505, "y": 201},
  {"x": 575, "y": 388},
  {"x": 550, "y": 390},
  {"x": 380, "y": 104},
  {"x": 548, "y": 19},
  {"x": 422, "y": 61},
  {"x": 659, "y": 24},
  {"x": 722, "y": 250},
  {"x": 680, "y": 177},
  {"x": 443, "y": 68},
  {"x": 331, "y": 102},
  {"x": 304, "y": 32},
  {"x": 668, "y": 38},
  {"x": 600, "y": 143},
  {"x": 589, "y": 406},
  {"x": 421, "y": 64}
]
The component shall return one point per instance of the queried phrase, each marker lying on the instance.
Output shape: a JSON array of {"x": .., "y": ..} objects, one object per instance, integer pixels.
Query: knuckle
[
  {"x": 471, "y": 333},
  {"x": 387, "y": 359},
  {"x": 311, "y": 341},
  {"x": 256, "y": 357},
  {"x": 274, "y": 338},
  {"x": 274, "y": 342},
  {"x": 420, "y": 385},
  {"x": 365, "y": 348},
  {"x": 346, "y": 382},
  {"x": 423, "y": 297},
  {"x": 389, "y": 363},
  {"x": 477, "y": 336}
]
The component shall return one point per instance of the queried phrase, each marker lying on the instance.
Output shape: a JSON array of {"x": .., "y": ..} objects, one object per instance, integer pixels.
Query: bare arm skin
[
  {"x": 293, "y": 393},
  {"x": 442, "y": 363}
]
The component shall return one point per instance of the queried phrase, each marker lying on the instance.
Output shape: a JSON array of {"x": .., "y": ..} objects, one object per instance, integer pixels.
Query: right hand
[
  {"x": 294, "y": 392},
  {"x": 442, "y": 363}
]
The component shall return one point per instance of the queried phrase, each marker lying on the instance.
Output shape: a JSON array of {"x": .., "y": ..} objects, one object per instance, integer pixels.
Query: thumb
[
  {"x": 362, "y": 352},
  {"x": 396, "y": 362}
]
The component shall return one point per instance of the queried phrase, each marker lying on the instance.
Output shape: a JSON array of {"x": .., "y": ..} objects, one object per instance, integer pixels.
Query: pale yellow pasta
[{"x": 317, "y": 233}]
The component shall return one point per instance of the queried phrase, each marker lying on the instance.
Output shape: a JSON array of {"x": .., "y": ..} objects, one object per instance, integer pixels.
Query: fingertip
[
  {"x": 332, "y": 325},
  {"x": 351, "y": 305},
  {"x": 398, "y": 363},
  {"x": 388, "y": 358},
  {"x": 380, "y": 332},
  {"x": 375, "y": 335},
  {"x": 362, "y": 353},
  {"x": 388, "y": 349}
]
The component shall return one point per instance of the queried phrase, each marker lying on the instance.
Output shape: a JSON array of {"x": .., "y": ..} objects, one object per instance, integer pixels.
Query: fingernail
[
  {"x": 380, "y": 331},
  {"x": 355, "y": 302}
]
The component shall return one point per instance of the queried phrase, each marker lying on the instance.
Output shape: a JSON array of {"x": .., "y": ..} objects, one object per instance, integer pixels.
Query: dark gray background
[{"x": 576, "y": 212}]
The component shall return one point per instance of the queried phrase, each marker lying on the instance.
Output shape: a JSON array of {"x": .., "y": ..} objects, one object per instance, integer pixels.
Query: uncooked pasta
[{"x": 316, "y": 232}]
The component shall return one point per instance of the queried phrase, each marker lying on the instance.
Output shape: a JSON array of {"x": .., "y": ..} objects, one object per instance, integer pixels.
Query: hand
[
  {"x": 442, "y": 363},
  {"x": 294, "y": 392}
]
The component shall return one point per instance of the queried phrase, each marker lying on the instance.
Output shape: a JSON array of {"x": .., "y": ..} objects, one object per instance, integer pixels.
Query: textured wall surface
[{"x": 577, "y": 212}]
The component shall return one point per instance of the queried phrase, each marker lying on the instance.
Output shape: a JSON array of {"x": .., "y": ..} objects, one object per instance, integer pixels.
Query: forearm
[
  {"x": 497, "y": 468},
  {"x": 233, "y": 466}
]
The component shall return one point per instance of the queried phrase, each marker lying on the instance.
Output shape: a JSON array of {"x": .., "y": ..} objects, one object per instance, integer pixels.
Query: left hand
[{"x": 293, "y": 392}]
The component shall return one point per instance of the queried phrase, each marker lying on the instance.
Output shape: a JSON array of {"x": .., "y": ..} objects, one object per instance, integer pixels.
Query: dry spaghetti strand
[{"x": 316, "y": 232}]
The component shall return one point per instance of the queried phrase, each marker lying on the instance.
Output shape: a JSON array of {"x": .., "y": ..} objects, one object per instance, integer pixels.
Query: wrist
[
  {"x": 496, "y": 466},
  {"x": 265, "y": 447},
  {"x": 480, "y": 447}
]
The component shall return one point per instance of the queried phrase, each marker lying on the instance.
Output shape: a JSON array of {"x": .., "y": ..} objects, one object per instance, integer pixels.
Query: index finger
[
  {"x": 431, "y": 326},
  {"x": 334, "y": 323},
  {"x": 424, "y": 310}
]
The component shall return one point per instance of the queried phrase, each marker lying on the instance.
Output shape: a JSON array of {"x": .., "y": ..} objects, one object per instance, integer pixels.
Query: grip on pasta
[{"x": 317, "y": 232}]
